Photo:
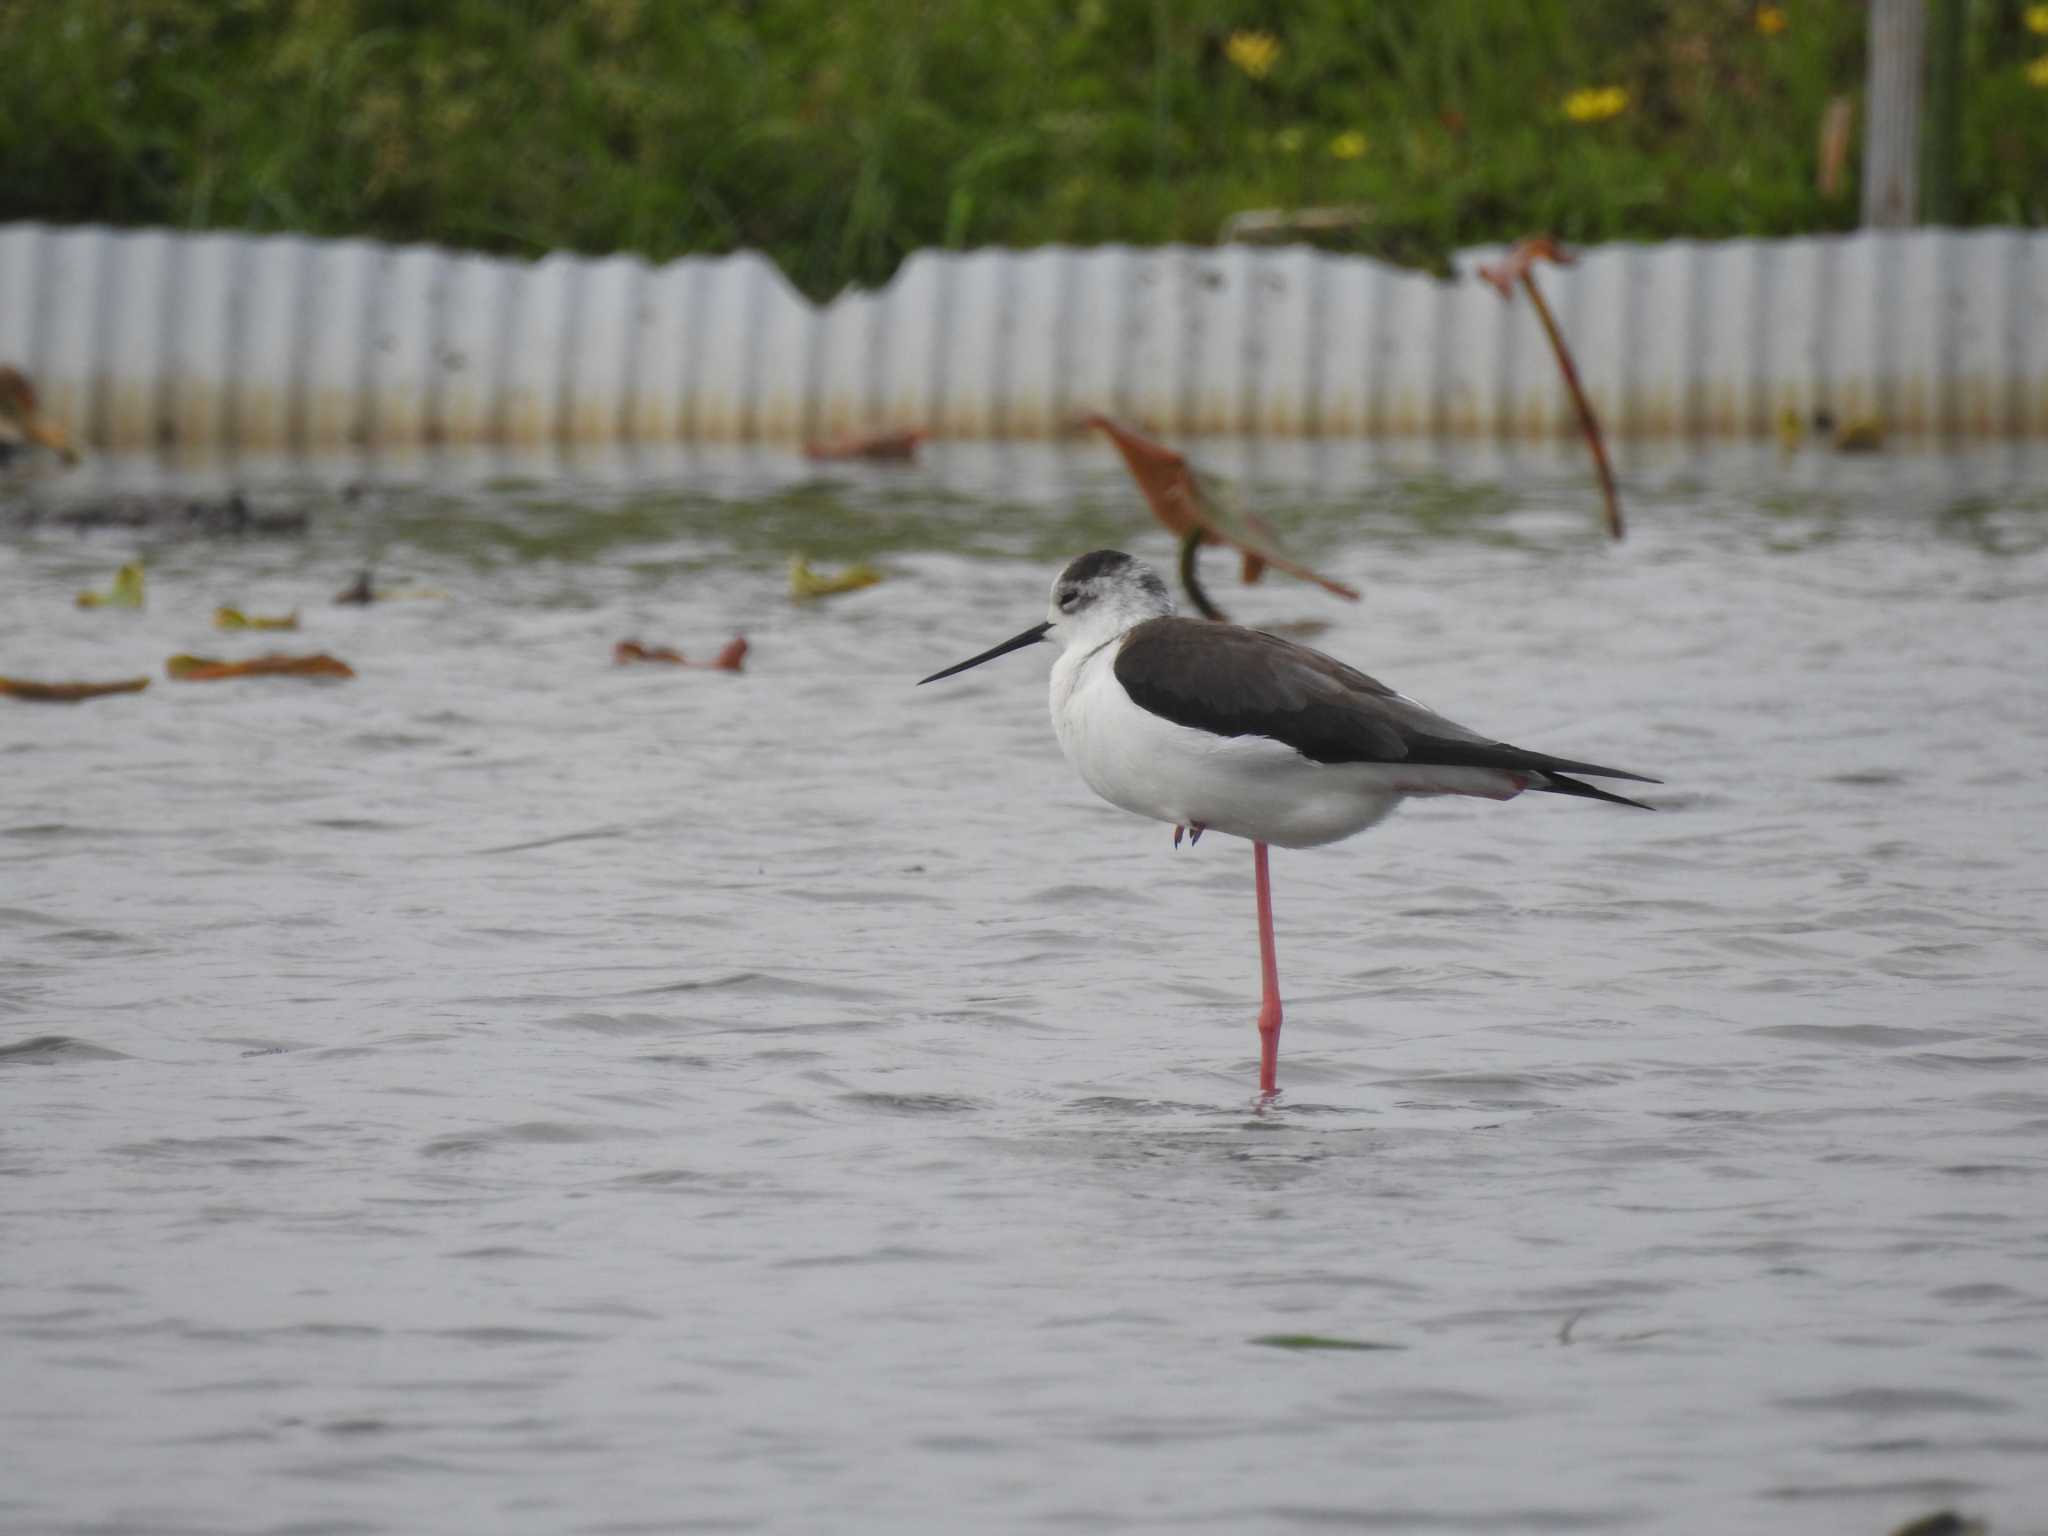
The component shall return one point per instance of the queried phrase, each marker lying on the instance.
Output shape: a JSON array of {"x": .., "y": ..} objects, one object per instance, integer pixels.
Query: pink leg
[{"x": 1269, "y": 976}]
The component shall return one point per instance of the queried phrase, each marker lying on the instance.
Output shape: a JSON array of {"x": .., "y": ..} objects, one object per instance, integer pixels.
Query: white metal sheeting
[{"x": 151, "y": 338}]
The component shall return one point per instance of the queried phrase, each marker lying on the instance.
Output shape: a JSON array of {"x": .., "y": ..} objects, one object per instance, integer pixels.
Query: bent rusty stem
[{"x": 1588, "y": 422}]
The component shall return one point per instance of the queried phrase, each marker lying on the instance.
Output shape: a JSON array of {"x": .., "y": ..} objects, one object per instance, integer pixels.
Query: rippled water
[{"x": 510, "y": 1092}]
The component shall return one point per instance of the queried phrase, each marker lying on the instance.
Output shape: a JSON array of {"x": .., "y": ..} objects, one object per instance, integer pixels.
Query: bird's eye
[{"x": 1069, "y": 601}]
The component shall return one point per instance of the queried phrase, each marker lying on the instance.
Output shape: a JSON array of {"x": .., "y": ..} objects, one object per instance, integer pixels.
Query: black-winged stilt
[{"x": 1216, "y": 728}]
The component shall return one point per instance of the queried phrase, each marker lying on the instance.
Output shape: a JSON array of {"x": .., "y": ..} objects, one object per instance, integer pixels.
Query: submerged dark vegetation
[{"x": 839, "y": 135}]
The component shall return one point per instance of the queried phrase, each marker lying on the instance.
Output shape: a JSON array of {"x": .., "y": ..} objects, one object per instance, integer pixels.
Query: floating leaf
[
  {"x": 805, "y": 583},
  {"x": 225, "y": 617},
  {"x": 627, "y": 651},
  {"x": 897, "y": 445},
  {"x": 1858, "y": 434},
  {"x": 1318, "y": 1341},
  {"x": 66, "y": 693},
  {"x": 22, "y": 415},
  {"x": 363, "y": 590},
  {"x": 1188, "y": 502},
  {"x": 208, "y": 669},
  {"x": 729, "y": 659},
  {"x": 125, "y": 593}
]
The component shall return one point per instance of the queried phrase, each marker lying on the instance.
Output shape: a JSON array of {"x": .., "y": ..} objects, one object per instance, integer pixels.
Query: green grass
[{"x": 839, "y": 135}]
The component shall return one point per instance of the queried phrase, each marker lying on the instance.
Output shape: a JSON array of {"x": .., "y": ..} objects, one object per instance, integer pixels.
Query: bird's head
[{"x": 1095, "y": 599}]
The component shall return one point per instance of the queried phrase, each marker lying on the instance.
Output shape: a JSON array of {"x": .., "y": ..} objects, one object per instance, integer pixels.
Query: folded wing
[{"x": 1231, "y": 681}]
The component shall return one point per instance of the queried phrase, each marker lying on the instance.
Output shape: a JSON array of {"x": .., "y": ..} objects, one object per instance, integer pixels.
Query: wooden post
[{"x": 1891, "y": 113}]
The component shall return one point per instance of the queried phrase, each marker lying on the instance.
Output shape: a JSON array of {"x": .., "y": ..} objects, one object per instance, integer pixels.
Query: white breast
[{"x": 1248, "y": 786}]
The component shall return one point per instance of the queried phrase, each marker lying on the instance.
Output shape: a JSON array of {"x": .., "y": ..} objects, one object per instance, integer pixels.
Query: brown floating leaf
[
  {"x": 1187, "y": 503},
  {"x": 208, "y": 669},
  {"x": 22, "y": 413},
  {"x": 727, "y": 660},
  {"x": 897, "y": 445},
  {"x": 632, "y": 650},
  {"x": 66, "y": 693}
]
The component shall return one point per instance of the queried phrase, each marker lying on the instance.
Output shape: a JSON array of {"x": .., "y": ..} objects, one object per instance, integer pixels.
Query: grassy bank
[{"x": 837, "y": 135}]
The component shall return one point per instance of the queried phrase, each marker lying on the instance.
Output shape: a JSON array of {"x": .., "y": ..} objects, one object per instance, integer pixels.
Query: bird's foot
[
  {"x": 1194, "y": 831},
  {"x": 1179, "y": 832}
]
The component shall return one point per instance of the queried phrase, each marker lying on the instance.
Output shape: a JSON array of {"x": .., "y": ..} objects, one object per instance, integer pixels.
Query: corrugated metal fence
[{"x": 149, "y": 337}]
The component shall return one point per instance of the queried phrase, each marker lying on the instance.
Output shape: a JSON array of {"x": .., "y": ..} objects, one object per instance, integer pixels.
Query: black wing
[{"x": 1231, "y": 681}]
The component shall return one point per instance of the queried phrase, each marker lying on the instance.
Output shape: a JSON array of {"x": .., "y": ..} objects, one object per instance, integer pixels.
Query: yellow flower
[
  {"x": 1253, "y": 52},
  {"x": 1596, "y": 104},
  {"x": 2037, "y": 72},
  {"x": 1349, "y": 145},
  {"x": 1771, "y": 19},
  {"x": 2037, "y": 18}
]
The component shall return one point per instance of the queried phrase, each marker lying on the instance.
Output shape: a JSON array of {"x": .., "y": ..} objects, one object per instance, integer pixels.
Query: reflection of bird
[
  {"x": 23, "y": 427},
  {"x": 1211, "y": 727}
]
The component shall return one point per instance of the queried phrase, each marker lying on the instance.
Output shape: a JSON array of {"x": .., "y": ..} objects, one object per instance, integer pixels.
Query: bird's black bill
[{"x": 1030, "y": 636}]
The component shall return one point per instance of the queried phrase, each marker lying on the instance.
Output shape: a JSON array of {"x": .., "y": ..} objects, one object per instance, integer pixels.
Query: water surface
[{"x": 511, "y": 1092}]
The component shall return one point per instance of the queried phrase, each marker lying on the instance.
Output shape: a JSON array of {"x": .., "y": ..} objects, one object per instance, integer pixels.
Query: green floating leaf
[
  {"x": 1318, "y": 1341},
  {"x": 126, "y": 592},
  {"x": 805, "y": 583}
]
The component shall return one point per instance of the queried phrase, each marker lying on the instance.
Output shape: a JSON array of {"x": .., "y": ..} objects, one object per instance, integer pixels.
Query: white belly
[{"x": 1249, "y": 786}]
